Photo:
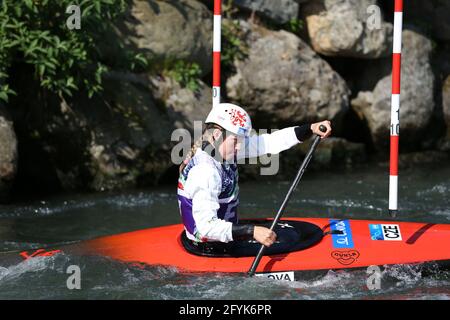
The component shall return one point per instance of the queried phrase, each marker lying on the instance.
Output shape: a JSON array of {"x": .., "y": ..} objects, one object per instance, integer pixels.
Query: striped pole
[
  {"x": 395, "y": 108},
  {"x": 216, "y": 52}
]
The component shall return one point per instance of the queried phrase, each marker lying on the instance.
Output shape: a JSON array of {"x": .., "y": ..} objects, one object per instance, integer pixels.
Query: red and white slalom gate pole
[
  {"x": 395, "y": 107},
  {"x": 217, "y": 37}
]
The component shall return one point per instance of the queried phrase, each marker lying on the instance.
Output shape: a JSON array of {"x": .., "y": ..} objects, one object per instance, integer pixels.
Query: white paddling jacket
[{"x": 208, "y": 191}]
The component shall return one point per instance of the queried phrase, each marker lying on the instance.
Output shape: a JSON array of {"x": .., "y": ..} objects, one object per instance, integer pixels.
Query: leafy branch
[{"x": 34, "y": 32}]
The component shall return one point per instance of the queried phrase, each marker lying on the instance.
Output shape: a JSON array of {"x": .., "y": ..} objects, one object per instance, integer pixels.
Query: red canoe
[{"x": 355, "y": 244}]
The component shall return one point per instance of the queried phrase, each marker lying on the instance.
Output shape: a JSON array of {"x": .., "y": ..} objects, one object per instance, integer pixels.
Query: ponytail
[{"x": 207, "y": 135}]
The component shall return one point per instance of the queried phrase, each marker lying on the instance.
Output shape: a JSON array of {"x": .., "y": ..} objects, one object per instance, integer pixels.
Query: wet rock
[
  {"x": 417, "y": 103},
  {"x": 170, "y": 31},
  {"x": 446, "y": 111},
  {"x": 337, "y": 151},
  {"x": 415, "y": 160},
  {"x": 183, "y": 105},
  {"x": 348, "y": 28},
  {"x": 279, "y": 11},
  {"x": 282, "y": 81},
  {"x": 121, "y": 139},
  {"x": 8, "y": 153},
  {"x": 330, "y": 153},
  {"x": 432, "y": 16},
  {"x": 443, "y": 59},
  {"x": 134, "y": 146}
]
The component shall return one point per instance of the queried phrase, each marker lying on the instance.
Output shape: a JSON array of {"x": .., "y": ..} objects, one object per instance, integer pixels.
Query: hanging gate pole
[
  {"x": 395, "y": 108},
  {"x": 217, "y": 37}
]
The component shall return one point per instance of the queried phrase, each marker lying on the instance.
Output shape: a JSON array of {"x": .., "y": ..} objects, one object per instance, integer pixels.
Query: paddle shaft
[{"x": 300, "y": 172}]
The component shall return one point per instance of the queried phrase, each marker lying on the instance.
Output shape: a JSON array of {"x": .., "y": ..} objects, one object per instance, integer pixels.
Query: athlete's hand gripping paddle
[{"x": 300, "y": 172}]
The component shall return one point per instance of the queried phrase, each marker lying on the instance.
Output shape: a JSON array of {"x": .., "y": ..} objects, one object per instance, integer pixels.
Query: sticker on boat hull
[
  {"x": 285, "y": 276},
  {"x": 385, "y": 232},
  {"x": 343, "y": 239},
  {"x": 345, "y": 258}
]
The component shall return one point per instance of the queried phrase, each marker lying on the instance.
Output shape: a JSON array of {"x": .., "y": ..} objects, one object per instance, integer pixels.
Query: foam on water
[
  {"x": 439, "y": 189},
  {"x": 44, "y": 208},
  {"x": 55, "y": 207},
  {"x": 31, "y": 265},
  {"x": 46, "y": 277},
  {"x": 442, "y": 212},
  {"x": 19, "y": 245}
]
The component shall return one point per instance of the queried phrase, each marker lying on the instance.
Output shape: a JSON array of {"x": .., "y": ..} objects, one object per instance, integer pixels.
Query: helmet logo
[
  {"x": 242, "y": 131},
  {"x": 237, "y": 118}
]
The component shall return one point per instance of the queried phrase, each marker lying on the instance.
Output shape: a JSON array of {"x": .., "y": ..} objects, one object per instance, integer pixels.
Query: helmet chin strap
[{"x": 211, "y": 148}]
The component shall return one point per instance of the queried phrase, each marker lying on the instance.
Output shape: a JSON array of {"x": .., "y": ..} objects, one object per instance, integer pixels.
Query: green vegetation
[
  {"x": 228, "y": 9},
  {"x": 35, "y": 33},
  {"x": 186, "y": 74},
  {"x": 233, "y": 46},
  {"x": 293, "y": 25}
]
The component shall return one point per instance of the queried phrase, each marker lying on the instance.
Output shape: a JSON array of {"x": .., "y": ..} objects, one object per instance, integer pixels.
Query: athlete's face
[{"x": 230, "y": 146}]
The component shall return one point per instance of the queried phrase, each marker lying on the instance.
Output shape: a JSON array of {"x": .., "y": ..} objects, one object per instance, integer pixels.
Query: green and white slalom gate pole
[{"x": 300, "y": 172}]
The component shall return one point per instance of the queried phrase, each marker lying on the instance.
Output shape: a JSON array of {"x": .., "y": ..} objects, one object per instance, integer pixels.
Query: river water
[{"x": 359, "y": 194}]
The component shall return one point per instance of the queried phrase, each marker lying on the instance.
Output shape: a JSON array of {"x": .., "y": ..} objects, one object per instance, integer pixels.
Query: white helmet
[{"x": 232, "y": 118}]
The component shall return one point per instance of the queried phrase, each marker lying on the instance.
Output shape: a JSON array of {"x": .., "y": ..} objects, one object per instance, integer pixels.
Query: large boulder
[
  {"x": 330, "y": 153},
  {"x": 442, "y": 60},
  {"x": 431, "y": 15},
  {"x": 279, "y": 11},
  {"x": 121, "y": 139},
  {"x": 170, "y": 31},
  {"x": 337, "y": 151},
  {"x": 446, "y": 112},
  {"x": 283, "y": 82},
  {"x": 133, "y": 144},
  {"x": 446, "y": 100},
  {"x": 183, "y": 105},
  {"x": 8, "y": 153},
  {"x": 416, "y": 103},
  {"x": 347, "y": 28}
]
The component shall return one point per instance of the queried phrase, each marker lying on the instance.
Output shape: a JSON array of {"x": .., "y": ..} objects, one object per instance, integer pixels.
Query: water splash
[
  {"x": 439, "y": 189},
  {"x": 56, "y": 207}
]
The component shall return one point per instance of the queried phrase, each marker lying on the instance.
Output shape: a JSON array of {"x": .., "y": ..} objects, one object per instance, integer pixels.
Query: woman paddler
[{"x": 208, "y": 191}]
